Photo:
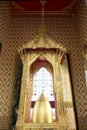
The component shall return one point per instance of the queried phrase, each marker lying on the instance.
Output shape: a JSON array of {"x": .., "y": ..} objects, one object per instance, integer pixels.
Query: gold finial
[
  {"x": 42, "y": 28},
  {"x": 43, "y": 3}
]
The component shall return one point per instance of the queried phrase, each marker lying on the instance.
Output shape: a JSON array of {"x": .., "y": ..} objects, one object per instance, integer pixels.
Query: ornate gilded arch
[{"x": 42, "y": 47}]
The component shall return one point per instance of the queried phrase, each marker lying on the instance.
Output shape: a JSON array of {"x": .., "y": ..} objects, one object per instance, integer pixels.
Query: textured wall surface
[
  {"x": 82, "y": 28},
  {"x": 15, "y": 31},
  {"x": 5, "y": 83},
  {"x": 82, "y": 22}
]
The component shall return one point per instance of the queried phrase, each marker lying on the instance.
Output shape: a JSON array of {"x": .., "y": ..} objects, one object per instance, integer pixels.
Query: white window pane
[{"x": 43, "y": 81}]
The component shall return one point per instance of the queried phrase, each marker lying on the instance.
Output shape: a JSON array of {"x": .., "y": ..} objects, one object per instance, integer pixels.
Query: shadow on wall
[{"x": 16, "y": 95}]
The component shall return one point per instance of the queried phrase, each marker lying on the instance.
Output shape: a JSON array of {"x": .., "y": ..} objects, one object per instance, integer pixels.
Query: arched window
[{"x": 43, "y": 81}]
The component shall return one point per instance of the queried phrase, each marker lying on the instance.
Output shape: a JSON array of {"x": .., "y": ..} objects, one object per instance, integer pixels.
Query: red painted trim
[
  {"x": 52, "y": 103},
  {"x": 51, "y": 5}
]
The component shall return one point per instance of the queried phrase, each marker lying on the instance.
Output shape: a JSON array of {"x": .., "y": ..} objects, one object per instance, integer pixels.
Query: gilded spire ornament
[
  {"x": 42, "y": 40},
  {"x": 42, "y": 26},
  {"x": 42, "y": 112},
  {"x": 42, "y": 29}
]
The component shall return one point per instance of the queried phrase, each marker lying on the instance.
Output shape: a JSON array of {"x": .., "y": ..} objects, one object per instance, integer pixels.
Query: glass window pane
[{"x": 43, "y": 81}]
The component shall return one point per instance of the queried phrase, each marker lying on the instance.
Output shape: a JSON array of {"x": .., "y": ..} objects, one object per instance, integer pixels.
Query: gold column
[
  {"x": 21, "y": 110},
  {"x": 55, "y": 69},
  {"x": 58, "y": 85},
  {"x": 27, "y": 91},
  {"x": 23, "y": 115}
]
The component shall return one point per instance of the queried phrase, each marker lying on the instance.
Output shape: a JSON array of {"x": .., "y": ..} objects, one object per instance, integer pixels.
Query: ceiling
[{"x": 58, "y": 7}]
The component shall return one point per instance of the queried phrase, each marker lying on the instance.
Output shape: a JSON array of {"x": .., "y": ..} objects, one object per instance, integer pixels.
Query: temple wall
[
  {"x": 82, "y": 29},
  {"x": 5, "y": 72},
  {"x": 82, "y": 22},
  {"x": 20, "y": 30}
]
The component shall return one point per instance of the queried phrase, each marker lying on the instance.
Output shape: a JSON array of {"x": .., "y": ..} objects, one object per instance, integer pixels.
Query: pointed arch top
[{"x": 41, "y": 42}]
